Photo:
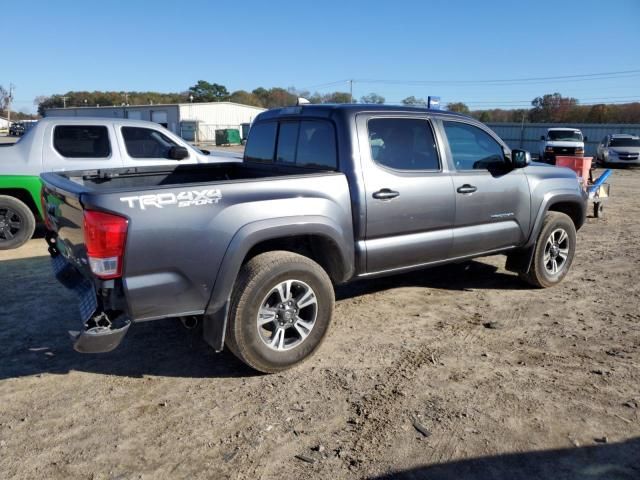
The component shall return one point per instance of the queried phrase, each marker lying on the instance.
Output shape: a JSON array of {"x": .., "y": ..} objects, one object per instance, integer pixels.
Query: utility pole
[
  {"x": 64, "y": 102},
  {"x": 350, "y": 91},
  {"x": 11, "y": 87}
]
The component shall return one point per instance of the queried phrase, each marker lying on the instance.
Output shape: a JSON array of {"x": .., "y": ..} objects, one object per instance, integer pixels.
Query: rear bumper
[{"x": 100, "y": 331}]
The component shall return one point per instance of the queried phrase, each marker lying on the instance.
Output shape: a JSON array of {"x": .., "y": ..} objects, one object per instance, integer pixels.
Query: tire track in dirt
[
  {"x": 446, "y": 448},
  {"x": 376, "y": 416}
]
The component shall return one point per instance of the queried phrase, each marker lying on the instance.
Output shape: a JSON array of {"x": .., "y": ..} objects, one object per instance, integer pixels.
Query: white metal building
[
  {"x": 196, "y": 122},
  {"x": 4, "y": 123}
]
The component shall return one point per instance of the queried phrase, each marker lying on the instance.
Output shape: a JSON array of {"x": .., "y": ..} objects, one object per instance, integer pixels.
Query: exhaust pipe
[{"x": 190, "y": 322}]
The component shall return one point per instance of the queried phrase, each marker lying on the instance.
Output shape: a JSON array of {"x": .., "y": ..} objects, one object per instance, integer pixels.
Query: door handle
[
  {"x": 385, "y": 194},
  {"x": 466, "y": 188}
]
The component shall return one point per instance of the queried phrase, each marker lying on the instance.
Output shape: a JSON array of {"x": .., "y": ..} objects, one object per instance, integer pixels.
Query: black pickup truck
[{"x": 325, "y": 195}]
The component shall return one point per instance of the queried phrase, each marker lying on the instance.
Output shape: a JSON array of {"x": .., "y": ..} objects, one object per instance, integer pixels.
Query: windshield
[
  {"x": 564, "y": 136},
  {"x": 625, "y": 142}
]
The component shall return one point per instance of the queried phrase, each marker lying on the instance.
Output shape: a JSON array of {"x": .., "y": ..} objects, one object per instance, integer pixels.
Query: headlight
[{"x": 548, "y": 149}]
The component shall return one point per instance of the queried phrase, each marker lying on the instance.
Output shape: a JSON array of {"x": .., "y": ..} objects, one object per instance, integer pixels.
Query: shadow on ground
[
  {"x": 616, "y": 461},
  {"x": 467, "y": 276},
  {"x": 37, "y": 313}
]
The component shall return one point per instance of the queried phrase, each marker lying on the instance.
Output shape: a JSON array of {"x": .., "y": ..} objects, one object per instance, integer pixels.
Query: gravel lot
[{"x": 410, "y": 383}]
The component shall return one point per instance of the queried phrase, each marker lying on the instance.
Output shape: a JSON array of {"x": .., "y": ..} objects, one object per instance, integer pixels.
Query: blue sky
[{"x": 53, "y": 47}]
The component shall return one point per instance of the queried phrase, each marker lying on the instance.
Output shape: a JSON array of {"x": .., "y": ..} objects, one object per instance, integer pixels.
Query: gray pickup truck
[{"x": 326, "y": 194}]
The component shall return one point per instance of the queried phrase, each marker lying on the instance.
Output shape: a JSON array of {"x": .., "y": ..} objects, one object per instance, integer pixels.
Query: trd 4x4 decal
[{"x": 191, "y": 198}]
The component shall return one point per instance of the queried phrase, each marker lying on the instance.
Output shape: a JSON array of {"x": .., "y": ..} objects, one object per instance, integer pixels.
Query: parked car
[
  {"x": 16, "y": 129},
  {"x": 325, "y": 195},
  {"x": 619, "y": 149},
  {"x": 78, "y": 143},
  {"x": 561, "y": 141}
]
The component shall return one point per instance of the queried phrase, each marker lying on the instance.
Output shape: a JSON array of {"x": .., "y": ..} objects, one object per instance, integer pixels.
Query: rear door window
[
  {"x": 403, "y": 144},
  {"x": 261, "y": 144},
  {"x": 146, "y": 143},
  {"x": 82, "y": 141}
]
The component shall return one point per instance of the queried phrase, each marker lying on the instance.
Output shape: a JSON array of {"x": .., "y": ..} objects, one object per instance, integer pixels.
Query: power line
[{"x": 511, "y": 81}]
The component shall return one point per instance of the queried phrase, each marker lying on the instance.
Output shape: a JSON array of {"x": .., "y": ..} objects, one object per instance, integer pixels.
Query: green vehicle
[{"x": 75, "y": 143}]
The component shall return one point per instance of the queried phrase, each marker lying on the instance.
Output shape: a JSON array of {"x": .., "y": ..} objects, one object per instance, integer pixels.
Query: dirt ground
[{"x": 552, "y": 390}]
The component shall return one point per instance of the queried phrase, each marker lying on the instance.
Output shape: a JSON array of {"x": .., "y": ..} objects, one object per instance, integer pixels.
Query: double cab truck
[
  {"x": 561, "y": 142},
  {"x": 326, "y": 194},
  {"x": 61, "y": 143}
]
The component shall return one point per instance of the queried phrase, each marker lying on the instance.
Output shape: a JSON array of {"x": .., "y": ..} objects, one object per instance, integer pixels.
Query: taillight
[
  {"x": 45, "y": 215},
  {"x": 105, "y": 235}
]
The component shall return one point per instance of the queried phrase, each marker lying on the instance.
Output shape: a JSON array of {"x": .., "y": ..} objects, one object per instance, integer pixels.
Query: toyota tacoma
[{"x": 326, "y": 194}]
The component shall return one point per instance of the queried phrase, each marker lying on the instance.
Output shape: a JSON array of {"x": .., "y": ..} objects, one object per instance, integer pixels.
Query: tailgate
[{"x": 64, "y": 215}]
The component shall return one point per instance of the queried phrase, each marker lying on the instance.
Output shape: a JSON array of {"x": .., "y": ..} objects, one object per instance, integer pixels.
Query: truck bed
[
  {"x": 182, "y": 221},
  {"x": 140, "y": 178}
]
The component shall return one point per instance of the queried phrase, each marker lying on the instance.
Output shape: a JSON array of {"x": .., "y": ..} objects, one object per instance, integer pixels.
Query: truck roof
[
  {"x": 95, "y": 121},
  {"x": 327, "y": 109},
  {"x": 564, "y": 129}
]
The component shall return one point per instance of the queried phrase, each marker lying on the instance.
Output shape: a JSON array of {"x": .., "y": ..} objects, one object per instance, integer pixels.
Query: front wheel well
[
  {"x": 319, "y": 248},
  {"x": 571, "y": 209},
  {"x": 24, "y": 196}
]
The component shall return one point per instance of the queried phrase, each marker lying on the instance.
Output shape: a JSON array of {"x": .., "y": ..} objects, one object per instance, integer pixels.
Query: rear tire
[
  {"x": 17, "y": 223},
  {"x": 280, "y": 312},
  {"x": 554, "y": 251}
]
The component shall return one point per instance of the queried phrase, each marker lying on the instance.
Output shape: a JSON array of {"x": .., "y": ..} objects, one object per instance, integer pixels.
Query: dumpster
[{"x": 228, "y": 136}]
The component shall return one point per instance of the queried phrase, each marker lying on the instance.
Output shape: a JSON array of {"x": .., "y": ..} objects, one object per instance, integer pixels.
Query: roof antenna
[{"x": 302, "y": 101}]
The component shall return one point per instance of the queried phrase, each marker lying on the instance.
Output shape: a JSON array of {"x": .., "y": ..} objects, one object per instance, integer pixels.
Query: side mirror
[
  {"x": 178, "y": 153},
  {"x": 206, "y": 152},
  {"x": 542, "y": 137},
  {"x": 520, "y": 158}
]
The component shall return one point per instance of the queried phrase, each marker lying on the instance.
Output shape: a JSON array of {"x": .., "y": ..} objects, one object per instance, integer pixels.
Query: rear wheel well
[
  {"x": 25, "y": 197},
  {"x": 571, "y": 209},
  {"x": 320, "y": 249}
]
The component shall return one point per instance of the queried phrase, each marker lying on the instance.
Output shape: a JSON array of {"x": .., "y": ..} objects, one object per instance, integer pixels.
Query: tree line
[{"x": 548, "y": 108}]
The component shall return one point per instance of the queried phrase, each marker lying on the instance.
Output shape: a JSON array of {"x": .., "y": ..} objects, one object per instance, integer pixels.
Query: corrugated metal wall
[
  {"x": 527, "y": 136},
  {"x": 217, "y": 115}
]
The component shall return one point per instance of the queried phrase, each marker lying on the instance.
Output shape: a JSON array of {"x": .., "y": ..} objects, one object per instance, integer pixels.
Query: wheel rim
[
  {"x": 10, "y": 224},
  {"x": 287, "y": 315},
  {"x": 556, "y": 251}
]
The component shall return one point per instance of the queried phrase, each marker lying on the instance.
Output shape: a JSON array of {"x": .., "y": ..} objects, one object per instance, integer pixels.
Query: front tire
[
  {"x": 17, "y": 223},
  {"x": 554, "y": 251},
  {"x": 281, "y": 308}
]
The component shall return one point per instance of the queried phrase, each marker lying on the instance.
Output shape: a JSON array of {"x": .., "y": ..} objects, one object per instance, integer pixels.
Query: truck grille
[
  {"x": 628, "y": 156},
  {"x": 564, "y": 150}
]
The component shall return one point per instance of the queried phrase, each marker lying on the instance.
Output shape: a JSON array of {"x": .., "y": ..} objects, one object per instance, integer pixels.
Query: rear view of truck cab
[{"x": 561, "y": 142}]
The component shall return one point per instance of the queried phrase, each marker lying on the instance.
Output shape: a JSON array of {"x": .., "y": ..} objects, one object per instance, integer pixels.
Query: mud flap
[
  {"x": 519, "y": 261},
  {"x": 214, "y": 326}
]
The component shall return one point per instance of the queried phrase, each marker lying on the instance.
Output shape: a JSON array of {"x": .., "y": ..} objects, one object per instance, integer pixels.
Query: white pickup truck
[
  {"x": 60, "y": 143},
  {"x": 561, "y": 141}
]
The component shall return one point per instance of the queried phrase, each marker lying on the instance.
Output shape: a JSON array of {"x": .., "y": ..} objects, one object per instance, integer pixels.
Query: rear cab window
[
  {"x": 82, "y": 141},
  {"x": 299, "y": 143}
]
